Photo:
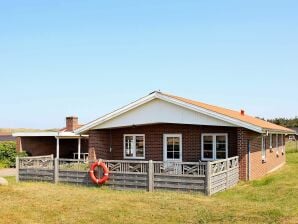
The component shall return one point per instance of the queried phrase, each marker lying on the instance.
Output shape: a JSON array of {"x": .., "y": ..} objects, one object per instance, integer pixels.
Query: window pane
[
  {"x": 139, "y": 146},
  {"x": 176, "y": 144},
  {"x": 220, "y": 154},
  {"x": 208, "y": 139},
  {"x": 176, "y": 155},
  {"x": 173, "y": 148},
  {"x": 208, "y": 154},
  {"x": 128, "y": 146},
  {"x": 220, "y": 139},
  {"x": 170, "y": 155},
  {"x": 220, "y": 147},
  {"x": 208, "y": 147}
]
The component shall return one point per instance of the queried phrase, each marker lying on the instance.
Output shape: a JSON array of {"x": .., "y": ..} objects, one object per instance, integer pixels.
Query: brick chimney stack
[{"x": 72, "y": 123}]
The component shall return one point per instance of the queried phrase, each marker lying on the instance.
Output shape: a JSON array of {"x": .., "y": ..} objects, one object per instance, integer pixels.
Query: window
[
  {"x": 264, "y": 148},
  {"x": 134, "y": 146},
  {"x": 173, "y": 147},
  {"x": 214, "y": 146}
]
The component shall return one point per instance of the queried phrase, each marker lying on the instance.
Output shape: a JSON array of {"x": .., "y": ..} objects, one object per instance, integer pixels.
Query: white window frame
[
  {"x": 165, "y": 136},
  {"x": 134, "y": 146},
  {"x": 213, "y": 145},
  {"x": 263, "y": 150}
]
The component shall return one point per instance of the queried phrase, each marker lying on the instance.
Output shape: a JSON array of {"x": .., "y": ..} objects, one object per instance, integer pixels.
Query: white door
[{"x": 172, "y": 153}]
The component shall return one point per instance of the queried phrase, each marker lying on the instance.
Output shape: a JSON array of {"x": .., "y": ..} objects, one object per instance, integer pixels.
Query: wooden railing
[
  {"x": 207, "y": 177},
  {"x": 222, "y": 174}
]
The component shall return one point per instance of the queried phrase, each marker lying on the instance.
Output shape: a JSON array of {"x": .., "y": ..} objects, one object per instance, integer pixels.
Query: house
[
  {"x": 294, "y": 136},
  {"x": 163, "y": 127},
  {"x": 63, "y": 143}
]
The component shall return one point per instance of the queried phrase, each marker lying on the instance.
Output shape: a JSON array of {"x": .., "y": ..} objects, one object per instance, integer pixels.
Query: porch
[{"x": 207, "y": 177}]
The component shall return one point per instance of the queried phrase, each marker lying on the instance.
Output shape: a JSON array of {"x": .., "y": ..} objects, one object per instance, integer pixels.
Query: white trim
[
  {"x": 33, "y": 134},
  {"x": 134, "y": 146},
  {"x": 79, "y": 148},
  {"x": 47, "y": 134},
  {"x": 270, "y": 140},
  {"x": 165, "y": 136},
  {"x": 116, "y": 113},
  {"x": 157, "y": 95},
  {"x": 263, "y": 149},
  {"x": 213, "y": 145}
]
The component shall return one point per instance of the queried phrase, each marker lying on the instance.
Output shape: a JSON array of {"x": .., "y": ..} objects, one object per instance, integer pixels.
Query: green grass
[
  {"x": 292, "y": 146},
  {"x": 273, "y": 199}
]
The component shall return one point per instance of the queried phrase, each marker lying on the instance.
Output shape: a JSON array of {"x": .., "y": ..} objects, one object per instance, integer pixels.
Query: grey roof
[{"x": 295, "y": 129}]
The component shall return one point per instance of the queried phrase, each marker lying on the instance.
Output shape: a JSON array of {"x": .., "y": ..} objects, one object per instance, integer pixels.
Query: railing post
[
  {"x": 17, "y": 169},
  {"x": 56, "y": 170},
  {"x": 227, "y": 173},
  {"x": 150, "y": 176},
  {"x": 208, "y": 178}
]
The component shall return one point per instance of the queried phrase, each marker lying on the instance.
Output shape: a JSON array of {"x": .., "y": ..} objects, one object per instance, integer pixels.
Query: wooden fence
[{"x": 206, "y": 177}]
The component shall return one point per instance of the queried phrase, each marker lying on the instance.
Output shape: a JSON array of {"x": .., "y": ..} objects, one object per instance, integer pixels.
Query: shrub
[{"x": 8, "y": 154}]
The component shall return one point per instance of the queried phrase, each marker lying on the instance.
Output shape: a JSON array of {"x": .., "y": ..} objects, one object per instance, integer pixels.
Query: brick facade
[
  {"x": 39, "y": 146},
  {"x": 108, "y": 144},
  {"x": 102, "y": 140},
  {"x": 273, "y": 159},
  {"x": 257, "y": 167}
]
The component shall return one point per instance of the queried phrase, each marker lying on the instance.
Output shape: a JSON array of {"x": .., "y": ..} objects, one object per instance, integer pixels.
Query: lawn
[{"x": 274, "y": 199}]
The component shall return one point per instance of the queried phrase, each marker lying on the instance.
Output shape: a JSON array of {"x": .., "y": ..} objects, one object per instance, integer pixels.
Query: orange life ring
[{"x": 105, "y": 176}]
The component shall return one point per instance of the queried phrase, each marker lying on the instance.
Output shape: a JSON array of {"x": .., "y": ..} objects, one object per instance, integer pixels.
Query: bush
[{"x": 8, "y": 154}]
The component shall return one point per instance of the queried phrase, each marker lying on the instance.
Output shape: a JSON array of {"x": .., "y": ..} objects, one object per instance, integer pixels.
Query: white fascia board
[
  {"x": 210, "y": 113},
  {"x": 34, "y": 134},
  {"x": 116, "y": 113},
  {"x": 47, "y": 134},
  {"x": 270, "y": 131}
]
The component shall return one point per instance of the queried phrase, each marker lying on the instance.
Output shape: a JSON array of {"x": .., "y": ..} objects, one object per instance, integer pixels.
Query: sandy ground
[{"x": 7, "y": 172}]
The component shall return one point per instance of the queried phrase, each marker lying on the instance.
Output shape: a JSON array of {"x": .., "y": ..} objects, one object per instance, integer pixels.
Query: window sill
[{"x": 134, "y": 158}]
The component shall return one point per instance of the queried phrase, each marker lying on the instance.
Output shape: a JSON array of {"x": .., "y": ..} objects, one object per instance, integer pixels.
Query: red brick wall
[
  {"x": 273, "y": 161},
  {"x": 101, "y": 140},
  {"x": 38, "y": 146},
  {"x": 258, "y": 168},
  {"x": 242, "y": 141}
]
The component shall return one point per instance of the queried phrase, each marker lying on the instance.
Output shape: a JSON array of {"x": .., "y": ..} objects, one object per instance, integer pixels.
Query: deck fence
[{"x": 206, "y": 177}]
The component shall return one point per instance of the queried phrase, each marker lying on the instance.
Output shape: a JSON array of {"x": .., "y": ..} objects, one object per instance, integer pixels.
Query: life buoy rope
[{"x": 105, "y": 176}]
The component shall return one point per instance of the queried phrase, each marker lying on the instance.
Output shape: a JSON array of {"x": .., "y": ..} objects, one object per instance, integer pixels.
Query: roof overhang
[
  {"x": 157, "y": 95},
  {"x": 48, "y": 134}
]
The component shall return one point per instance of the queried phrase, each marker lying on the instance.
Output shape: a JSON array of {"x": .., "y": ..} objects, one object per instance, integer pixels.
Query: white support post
[
  {"x": 17, "y": 169},
  {"x": 57, "y": 148},
  {"x": 56, "y": 170},
  {"x": 79, "y": 148},
  {"x": 208, "y": 179},
  {"x": 150, "y": 176}
]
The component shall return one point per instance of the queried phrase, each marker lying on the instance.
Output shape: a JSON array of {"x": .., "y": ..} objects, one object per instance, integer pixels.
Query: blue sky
[{"x": 87, "y": 58}]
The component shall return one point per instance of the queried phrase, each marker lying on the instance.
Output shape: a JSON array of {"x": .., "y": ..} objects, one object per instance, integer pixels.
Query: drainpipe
[{"x": 248, "y": 159}]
